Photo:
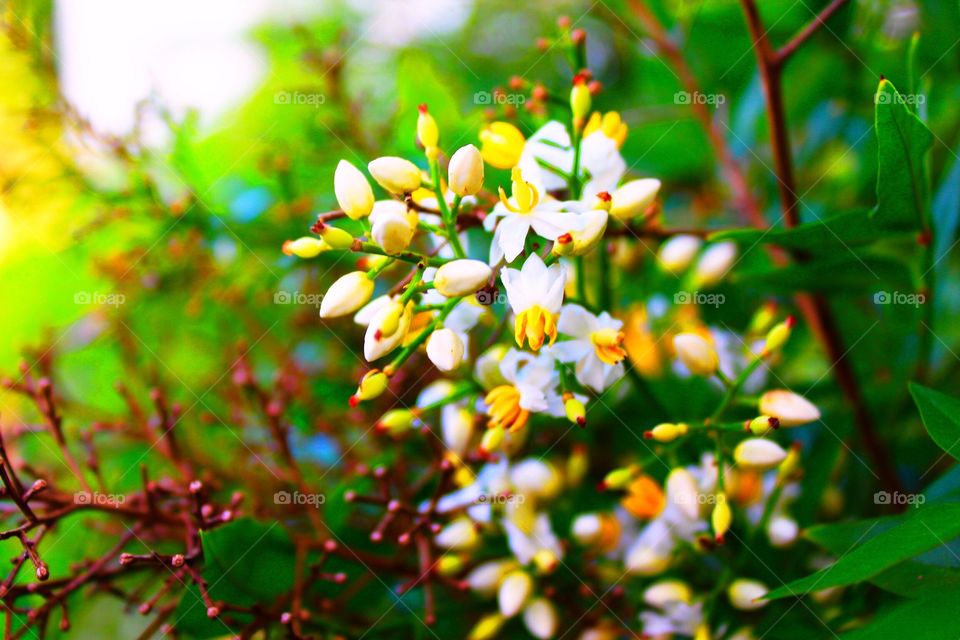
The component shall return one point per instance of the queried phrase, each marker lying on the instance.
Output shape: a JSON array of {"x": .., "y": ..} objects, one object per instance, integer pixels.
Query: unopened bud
[
  {"x": 778, "y": 336},
  {"x": 721, "y": 518},
  {"x": 762, "y": 425},
  {"x": 576, "y": 411},
  {"x": 372, "y": 384},
  {"x": 745, "y": 594},
  {"x": 758, "y": 453},
  {"x": 396, "y": 421},
  {"x": 334, "y": 236},
  {"x": 305, "y": 247},
  {"x": 666, "y": 432}
]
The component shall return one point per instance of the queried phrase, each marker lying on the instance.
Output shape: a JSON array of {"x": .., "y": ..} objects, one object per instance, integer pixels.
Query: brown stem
[
  {"x": 815, "y": 307},
  {"x": 787, "y": 50}
]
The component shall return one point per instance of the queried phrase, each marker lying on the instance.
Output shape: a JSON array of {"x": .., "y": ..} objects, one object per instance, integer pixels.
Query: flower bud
[
  {"x": 515, "y": 589},
  {"x": 485, "y": 578},
  {"x": 535, "y": 477},
  {"x": 372, "y": 385},
  {"x": 445, "y": 349},
  {"x": 619, "y": 478},
  {"x": 387, "y": 329},
  {"x": 634, "y": 198},
  {"x": 646, "y": 560},
  {"x": 696, "y": 354},
  {"x": 721, "y": 518},
  {"x": 501, "y": 144},
  {"x": 396, "y": 421},
  {"x": 714, "y": 264},
  {"x": 782, "y": 531},
  {"x": 487, "y": 628},
  {"x": 575, "y": 410},
  {"x": 678, "y": 252},
  {"x": 587, "y": 528},
  {"x": 396, "y": 175},
  {"x": 758, "y": 453},
  {"x": 790, "y": 408},
  {"x": 465, "y": 171},
  {"x": 456, "y": 427},
  {"x": 577, "y": 465},
  {"x": 353, "y": 192},
  {"x": 335, "y": 237},
  {"x": 305, "y": 247},
  {"x": 346, "y": 295},
  {"x": 580, "y": 100},
  {"x": 666, "y": 432},
  {"x": 682, "y": 491},
  {"x": 777, "y": 336},
  {"x": 492, "y": 439},
  {"x": 762, "y": 425},
  {"x": 459, "y": 534},
  {"x": 745, "y": 594},
  {"x": 450, "y": 565},
  {"x": 546, "y": 561},
  {"x": 583, "y": 241},
  {"x": 664, "y": 592},
  {"x": 540, "y": 618},
  {"x": 790, "y": 464},
  {"x": 427, "y": 131},
  {"x": 393, "y": 230},
  {"x": 461, "y": 277}
]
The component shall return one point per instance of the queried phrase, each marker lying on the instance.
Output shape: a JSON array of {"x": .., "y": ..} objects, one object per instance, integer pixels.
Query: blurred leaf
[
  {"x": 902, "y": 141},
  {"x": 850, "y": 228},
  {"x": 257, "y": 558},
  {"x": 941, "y": 417},
  {"x": 845, "y": 272},
  {"x": 927, "y": 528},
  {"x": 931, "y": 618}
]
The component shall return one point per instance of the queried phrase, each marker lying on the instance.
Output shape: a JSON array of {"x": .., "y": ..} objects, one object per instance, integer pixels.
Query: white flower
[
  {"x": 387, "y": 329},
  {"x": 758, "y": 453},
  {"x": 353, "y": 192},
  {"x": 538, "y": 543},
  {"x": 456, "y": 427},
  {"x": 535, "y": 294},
  {"x": 678, "y": 252},
  {"x": 396, "y": 175},
  {"x": 514, "y": 590},
  {"x": 526, "y": 209},
  {"x": 596, "y": 346},
  {"x": 696, "y": 354},
  {"x": 461, "y": 277},
  {"x": 530, "y": 387},
  {"x": 600, "y": 158},
  {"x": 485, "y": 578},
  {"x": 540, "y": 618},
  {"x": 714, "y": 263},
  {"x": 674, "y": 618},
  {"x": 459, "y": 534},
  {"x": 782, "y": 531},
  {"x": 393, "y": 225},
  {"x": 346, "y": 295},
  {"x": 465, "y": 171},
  {"x": 445, "y": 349},
  {"x": 745, "y": 594},
  {"x": 633, "y": 198},
  {"x": 788, "y": 407}
]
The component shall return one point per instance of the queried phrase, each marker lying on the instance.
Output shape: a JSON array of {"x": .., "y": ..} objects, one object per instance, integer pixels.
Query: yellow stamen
[
  {"x": 610, "y": 124},
  {"x": 535, "y": 324},
  {"x": 525, "y": 195},
  {"x": 503, "y": 407},
  {"x": 608, "y": 343}
]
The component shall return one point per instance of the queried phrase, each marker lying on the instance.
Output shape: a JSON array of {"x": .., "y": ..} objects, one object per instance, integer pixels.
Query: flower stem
[{"x": 422, "y": 337}]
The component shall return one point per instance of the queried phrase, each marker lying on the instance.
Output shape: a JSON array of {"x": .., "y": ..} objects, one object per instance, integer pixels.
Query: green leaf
[
  {"x": 255, "y": 557},
  {"x": 930, "y": 618},
  {"x": 926, "y": 529},
  {"x": 941, "y": 416},
  {"x": 844, "y": 272},
  {"x": 902, "y": 143},
  {"x": 850, "y": 228}
]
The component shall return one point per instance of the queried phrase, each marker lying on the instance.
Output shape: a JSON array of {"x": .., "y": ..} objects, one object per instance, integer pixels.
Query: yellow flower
[
  {"x": 610, "y": 124},
  {"x": 501, "y": 144}
]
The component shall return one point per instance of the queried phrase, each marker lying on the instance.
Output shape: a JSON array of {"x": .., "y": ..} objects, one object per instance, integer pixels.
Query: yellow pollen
[
  {"x": 610, "y": 124},
  {"x": 608, "y": 343},
  {"x": 535, "y": 324},
  {"x": 503, "y": 407}
]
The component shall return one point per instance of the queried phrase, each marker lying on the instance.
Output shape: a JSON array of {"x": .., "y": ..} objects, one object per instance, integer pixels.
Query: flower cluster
[{"x": 452, "y": 263}]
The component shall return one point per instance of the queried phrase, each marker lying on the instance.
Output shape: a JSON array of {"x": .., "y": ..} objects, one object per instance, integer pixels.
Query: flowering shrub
[{"x": 525, "y": 415}]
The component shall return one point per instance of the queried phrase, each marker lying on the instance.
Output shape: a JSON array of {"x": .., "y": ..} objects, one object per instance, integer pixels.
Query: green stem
[
  {"x": 449, "y": 218},
  {"x": 374, "y": 271},
  {"x": 370, "y": 247},
  {"x": 464, "y": 390},
  {"x": 733, "y": 389},
  {"x": 411, "y": 348}
]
